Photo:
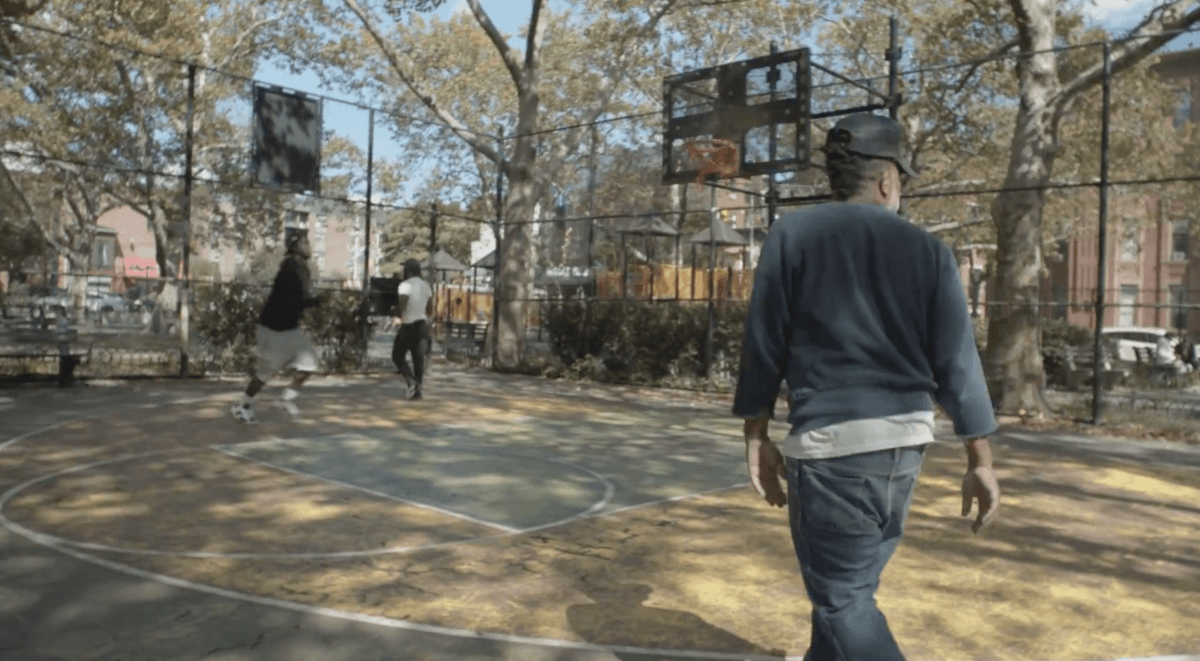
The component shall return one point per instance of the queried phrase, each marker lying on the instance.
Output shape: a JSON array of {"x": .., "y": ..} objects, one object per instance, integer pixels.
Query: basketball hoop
[{"x": 716, "y": 156}]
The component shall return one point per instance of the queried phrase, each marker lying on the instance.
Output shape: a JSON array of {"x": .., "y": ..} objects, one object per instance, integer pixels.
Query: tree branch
[
  {"x": 1163, "y": 18},
  {"x": 394, "y": 61},
  {"x": 11, "y": 184},
  {"x": 986, "y": 59},
  {"x": 506, "y": 53},
  {"x": 235, "y": 50},
  {"x": 609, "y": 87},
  {"x": 533, "y": 41}
]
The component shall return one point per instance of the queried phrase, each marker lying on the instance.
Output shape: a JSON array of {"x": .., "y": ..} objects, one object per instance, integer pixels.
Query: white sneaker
[
  {"x": 243, "y": 413},
  {"x": 290, "y": 407},
  {"x": 287, "y": 403}
]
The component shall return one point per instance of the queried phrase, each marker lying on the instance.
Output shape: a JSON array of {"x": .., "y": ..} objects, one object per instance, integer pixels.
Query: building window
[
  {"x": 1129, "y": 249},
  {"x": 1178, "y": 312},
  {"x": 1179, "y": 241},
  {"x": 292, "y": 221},
  {"x": 1061, "y": 249},
  {"x": 104, "y": 253},
  {"x": 1183, "y": 114},
  {"x": 289, "y": 231},
  {"x": 297, "y": 219},
  {"x": 1059, "y": 293},
  {"x": 1129, "y": 294}
]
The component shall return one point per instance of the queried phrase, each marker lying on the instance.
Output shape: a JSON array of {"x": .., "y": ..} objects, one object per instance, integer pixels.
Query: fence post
[
  {"x": 893, "y": 57},
  {"x": 184, "y": 271},
  {"x": 712, "y": 259},
  {"x": 772, "y": 190},
  {"x": 1102, "y": 243},
  {"x": 624, "y": 266},
  {"x": 499, "y": 253},
  {"x": 366, "y": 330},
  {"x": 433, "y": 273},
  {"x": 591, "y": 241}
]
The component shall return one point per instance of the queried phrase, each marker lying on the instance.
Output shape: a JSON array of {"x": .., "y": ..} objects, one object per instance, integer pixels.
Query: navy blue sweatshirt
[
  {"x": 864, "y": 314},
  {"x": 291, "y": 294}
]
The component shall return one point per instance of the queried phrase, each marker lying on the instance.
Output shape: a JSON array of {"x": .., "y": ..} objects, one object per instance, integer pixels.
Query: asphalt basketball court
[{"x": 514, "y": 518}]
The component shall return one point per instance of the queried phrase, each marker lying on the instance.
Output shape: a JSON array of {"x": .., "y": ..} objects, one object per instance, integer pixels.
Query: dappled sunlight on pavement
[{"x": 599, "y": 515}]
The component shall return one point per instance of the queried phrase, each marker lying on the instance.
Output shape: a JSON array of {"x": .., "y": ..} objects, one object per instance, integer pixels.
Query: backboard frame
[
  {"x": 731, "y": 117},
  {"x": 287, "y": 129}
]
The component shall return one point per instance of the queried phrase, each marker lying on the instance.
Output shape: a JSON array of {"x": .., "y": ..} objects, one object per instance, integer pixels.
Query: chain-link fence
[{"x": 147, "y": 220}]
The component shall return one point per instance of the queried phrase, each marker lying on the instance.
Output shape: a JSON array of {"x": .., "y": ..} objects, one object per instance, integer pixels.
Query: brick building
[{"x": 1153, "y": 260}]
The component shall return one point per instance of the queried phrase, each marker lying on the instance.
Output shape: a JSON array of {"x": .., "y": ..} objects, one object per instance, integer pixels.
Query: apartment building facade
[{"x": 1152, "y": 246}]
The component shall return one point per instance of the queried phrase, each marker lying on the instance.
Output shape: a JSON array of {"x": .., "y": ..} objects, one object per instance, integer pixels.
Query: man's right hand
[{"x": 980, "y": 484}]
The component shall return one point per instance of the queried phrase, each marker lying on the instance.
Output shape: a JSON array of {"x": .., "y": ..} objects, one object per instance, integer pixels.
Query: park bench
[
  {"x": 471, "y": 333},
  {"x": 1163, "y": 376},
  {"x": 68, "y": 353},
  {"x": 1080, "y": 361},
  {"x": 472, "y": 330},
  {"x": 1144, "y": 355}
]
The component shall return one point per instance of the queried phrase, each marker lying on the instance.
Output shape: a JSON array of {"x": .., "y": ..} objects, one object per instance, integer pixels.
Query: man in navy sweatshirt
[
  {"x": 282, "y": 342},
  {"x": 865, "y": 316}
]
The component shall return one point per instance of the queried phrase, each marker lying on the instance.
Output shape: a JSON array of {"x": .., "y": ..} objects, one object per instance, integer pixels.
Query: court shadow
[{"x": 618, "y": 618}]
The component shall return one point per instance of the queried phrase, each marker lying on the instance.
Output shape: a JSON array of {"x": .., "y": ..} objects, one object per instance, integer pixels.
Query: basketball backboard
[
  {"x": 733, "y": 102},
  {"x": 287, "y": 139}
]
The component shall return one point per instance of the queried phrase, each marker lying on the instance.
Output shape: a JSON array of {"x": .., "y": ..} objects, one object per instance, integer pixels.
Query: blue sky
[
  {"x": 509, "y": 15},
  {"x": 1118, "y": 15}
]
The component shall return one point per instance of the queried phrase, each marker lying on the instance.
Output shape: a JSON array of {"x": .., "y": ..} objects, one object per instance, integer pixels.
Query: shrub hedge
[
  {"x": 225, "y": 323},
  {"x": 629, "y": 341}
]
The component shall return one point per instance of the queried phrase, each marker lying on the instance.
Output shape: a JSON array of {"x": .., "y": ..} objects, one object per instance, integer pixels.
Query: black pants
[{"x": 414, "y": 338}]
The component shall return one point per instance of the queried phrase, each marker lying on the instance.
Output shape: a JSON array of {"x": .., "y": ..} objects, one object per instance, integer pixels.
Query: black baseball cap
[{"x": 872, "y": 136}]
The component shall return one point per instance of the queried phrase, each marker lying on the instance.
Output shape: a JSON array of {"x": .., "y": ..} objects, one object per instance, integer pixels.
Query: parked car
[
  {"x": 48, "y": 302},
  {"x": 1129, "y": 338},
  {"x": 105, "y": 302}
]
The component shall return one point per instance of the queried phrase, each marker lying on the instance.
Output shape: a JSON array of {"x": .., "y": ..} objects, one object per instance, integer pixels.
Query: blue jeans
[{"x": 847, "y": 516}]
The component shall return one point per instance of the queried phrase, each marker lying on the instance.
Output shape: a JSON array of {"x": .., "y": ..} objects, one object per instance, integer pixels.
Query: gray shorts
[{"x": 280, "y": 350}]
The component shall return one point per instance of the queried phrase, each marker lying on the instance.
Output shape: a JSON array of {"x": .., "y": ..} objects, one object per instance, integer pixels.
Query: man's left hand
[{"x": 767, "y": 468}]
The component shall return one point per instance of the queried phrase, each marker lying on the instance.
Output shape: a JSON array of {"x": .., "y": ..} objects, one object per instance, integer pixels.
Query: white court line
[
  {"x": 609, "y": 488},
  {"x": 671, "y": 499},
  {"x": 392, "y": 623},
  {"x": 103, "y": 414},
  {"x": 379, "y": 494},
  {"x": 54, "y": 540},
  {"x": 51, "y": 542}
]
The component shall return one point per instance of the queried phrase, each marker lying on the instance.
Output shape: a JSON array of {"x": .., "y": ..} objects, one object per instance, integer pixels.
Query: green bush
[
  {"x": 663, "y": 343},
  {"x": 642, "y": 342},
  {"x": 1059, "y": 334},
  {"x": 226, "y": 322},
  {"x": 340, "y": 326}
]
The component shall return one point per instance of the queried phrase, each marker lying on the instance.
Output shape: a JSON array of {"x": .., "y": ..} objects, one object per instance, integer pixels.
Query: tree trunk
[
  {"x": 164, "y": 250},
  {"x": 515, "y": 277},
  {"x": 77, "y": 263},
  {"x": 1014, "y": 358},
  {"x": 514, "y": 283}
]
